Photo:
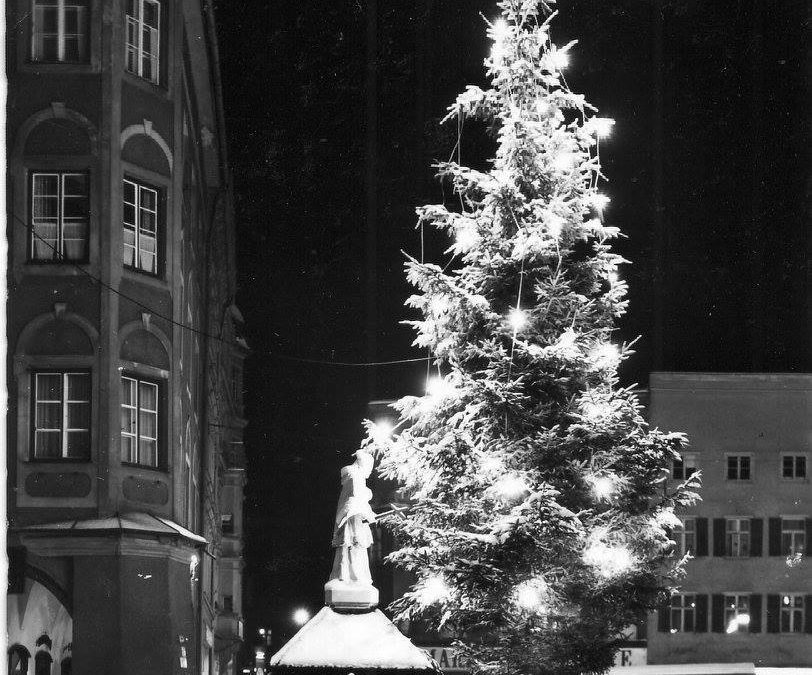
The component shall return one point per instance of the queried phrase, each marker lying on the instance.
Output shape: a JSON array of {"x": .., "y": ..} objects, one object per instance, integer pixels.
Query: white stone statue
[{"x": 350, "y": 585}]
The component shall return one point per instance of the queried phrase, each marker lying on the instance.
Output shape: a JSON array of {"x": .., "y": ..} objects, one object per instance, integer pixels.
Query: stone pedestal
[{"x": 350, "y": 595}]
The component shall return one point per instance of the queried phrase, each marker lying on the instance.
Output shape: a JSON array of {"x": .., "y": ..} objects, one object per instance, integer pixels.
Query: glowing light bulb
[
  {"x": 433, "y": 589},
  {"x": 605, "y": 355},
  {"x": 439, "y": 304},
  {"x": 560, "y": 59},
  {"x": 608, "y": 561},
  {"x": 466, "y": 238},
  {"x": 596, "y": 411},
  {"x": 439, "y": 388},
  {"x": 500, "y": 30},
  {"x": 518, "y": 319},
  {"x": 603, "y": 487},
  {"x": 510, "y": 488},
  {"x": 613, "y": 278},
  {"x": 555, "y": 224},
  {"x": 531, "y": 595},
  {"x": 563, "y": 161},
  {"x": 381, "y": 431},
  {"x": 599, "y": 201},
  {"x": 497, "y": 52},
  {"x": 602, "y": 126},
  {"x": 736, "y": 622}
]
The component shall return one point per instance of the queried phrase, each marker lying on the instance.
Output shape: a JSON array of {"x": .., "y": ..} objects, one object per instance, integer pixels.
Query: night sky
[{"x": 708, "y": 170}]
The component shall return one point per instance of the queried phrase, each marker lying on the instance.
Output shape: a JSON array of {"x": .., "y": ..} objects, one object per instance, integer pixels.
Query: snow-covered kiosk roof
[
  {"x": 338, "y": 643},
  {"x": 350, "y": 636}
]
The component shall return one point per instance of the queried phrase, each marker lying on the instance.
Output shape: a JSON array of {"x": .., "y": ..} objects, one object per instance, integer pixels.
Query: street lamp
[{"x": 301, "y": 616}]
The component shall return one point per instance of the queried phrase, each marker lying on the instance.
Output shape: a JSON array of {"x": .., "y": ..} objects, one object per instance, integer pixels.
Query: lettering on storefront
[
  {"x": 630, "y": 656},
  {"x": 447, "y": 658}
]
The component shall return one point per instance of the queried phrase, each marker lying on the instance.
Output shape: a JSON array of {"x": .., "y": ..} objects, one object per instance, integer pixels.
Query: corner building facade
[
  {"x": 125, "y": 459},
  {"x": 747, "y": 594}
]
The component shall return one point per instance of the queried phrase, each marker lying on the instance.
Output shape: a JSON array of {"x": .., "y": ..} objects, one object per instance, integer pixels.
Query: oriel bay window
[
  {"x": 140, "y": 243},
  {"x": 59, "y": 31},
  {"x": 140, "y": 401},
  {"x": 143, "y": 38},
  {"x": 61, "y": 419},
  {"x": 60, "y": 208}
]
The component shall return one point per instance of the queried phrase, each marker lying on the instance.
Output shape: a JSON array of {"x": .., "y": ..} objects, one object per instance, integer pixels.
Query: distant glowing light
[
  {"x": 510, "y": 487},
  {"x": 433, "y": 589},
  {"x": 439, "y": 304},
  {"x": 532, "y": 595},
  {"x": 602, "y": 126},
  {"x": 613, "y": 278},
  {"x": 554, "y": 224},
  {"x": 301, "y": 616},
  {"x": 260, "y": 655},
  {"x": 599, "y": 201},
  {"x": 608, "y": 561},
  {"x": 518, "y": 319}
]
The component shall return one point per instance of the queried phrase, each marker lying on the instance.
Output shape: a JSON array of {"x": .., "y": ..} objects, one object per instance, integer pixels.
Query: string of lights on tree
[{"x": 538, "y": 520}]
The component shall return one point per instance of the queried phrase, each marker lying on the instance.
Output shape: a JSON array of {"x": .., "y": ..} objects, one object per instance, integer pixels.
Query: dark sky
[{"x": 708, "y": 170}]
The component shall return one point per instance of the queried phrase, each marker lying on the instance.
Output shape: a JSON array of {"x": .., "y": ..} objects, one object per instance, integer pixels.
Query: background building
[
  {"x": 747, "y": 596},
  {"x": 125, "y": 461}
]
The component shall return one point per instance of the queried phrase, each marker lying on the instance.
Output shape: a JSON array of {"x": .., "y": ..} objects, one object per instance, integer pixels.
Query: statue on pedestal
[{"x": 350, "y": 585}]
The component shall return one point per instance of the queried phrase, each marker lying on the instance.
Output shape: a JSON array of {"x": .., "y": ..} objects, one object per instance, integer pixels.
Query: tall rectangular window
[
  {"x": 737, "y": 613},
  {"x": 737, "y": 537},
  {"x": 139, "y": 421},
  {"x": 60, "y": 208},
  {"x": 792, "y": 613},
  {"x": 143, "y": 38},
  {"x": 738, "y": 467},
  {"x": 59, "y": 31},
  {"x": 61, "y": 427},
  {"x": 683, "y": 613},
  {"x": 140, "y": 243},
  {"x": 685, "y": 537},
  {"x": 684, "y": 467},
  {"x": 793, "y": 536}
]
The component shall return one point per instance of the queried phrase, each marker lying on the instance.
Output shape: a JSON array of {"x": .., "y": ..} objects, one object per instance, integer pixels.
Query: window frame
[
  {"x": 688, "y": 460},
  {"x": 136, "y": 227},
  {"x": 63, "y": 402},
  {"x": 732, "y": 613},
  {"x": 796, "y": 622},
  {"x": 739, "y": 456},
  {"x": 794, "y": 456},
  {"x": 84, "y": 24},
  {"x": 684, "y": 610},
  {"x": 139, "y": 25},
  {"x": 737, "y": 535},
  {"x": 160, "y": 413},
  {"x": 58, "y": 257},
  {"x": 796, "y": 533},
  {"x": 681, "y": 536}
]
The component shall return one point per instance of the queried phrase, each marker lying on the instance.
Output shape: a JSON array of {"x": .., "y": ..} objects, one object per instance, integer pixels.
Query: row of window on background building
[
  {"x": 740, "y": 467},
  {"x": 742, "y": 537},
  {"x": 61, "y": 428},
  {"x": 736, "y": 613},
  {"x": 60, "y": 221},
  {"x": 61, "y": 34}
]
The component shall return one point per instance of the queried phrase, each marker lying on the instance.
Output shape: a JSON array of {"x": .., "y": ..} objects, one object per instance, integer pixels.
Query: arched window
[{"x": 18, "y": 660}]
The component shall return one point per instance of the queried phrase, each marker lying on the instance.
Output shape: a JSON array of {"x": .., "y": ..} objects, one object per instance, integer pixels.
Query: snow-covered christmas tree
[{"x": 538, "y": 525}]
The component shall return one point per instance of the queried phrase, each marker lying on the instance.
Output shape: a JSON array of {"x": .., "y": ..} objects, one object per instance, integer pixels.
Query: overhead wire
[{"x": 276, "y": 355}]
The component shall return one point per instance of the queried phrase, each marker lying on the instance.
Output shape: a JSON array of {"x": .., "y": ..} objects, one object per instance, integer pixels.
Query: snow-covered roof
[
  {"x": 134, "y": 523},
  {"x": 351, "y": 641}
]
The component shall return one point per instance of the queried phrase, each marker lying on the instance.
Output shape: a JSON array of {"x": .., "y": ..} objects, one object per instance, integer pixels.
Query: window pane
[
  {"x": 78, "y": 444},
  {"x": 151, "y": 12},
  {"x": 788, "y": 467},
  {"x": 148, "y": 394},
  {"x": 47, "y": 444},
  {"x": 744, "y": 473},
  {"x": 129, "y": 192},
  {"x": 78, "y": 416},
  {"x": 48, "y": 416},
  {"x": 148, "y": 452},
  {"x": 48, "y": 387},
  {"x": 148, "y": 424},
  {"x": 78, "y": 387},
  {"x": 133, "y": 7},
  {"x": 800, "y": 467},
  {"x": 732, "y": 468},
  {"x": 127, "y": 391},
  {"x": 128, "y": 449}
]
